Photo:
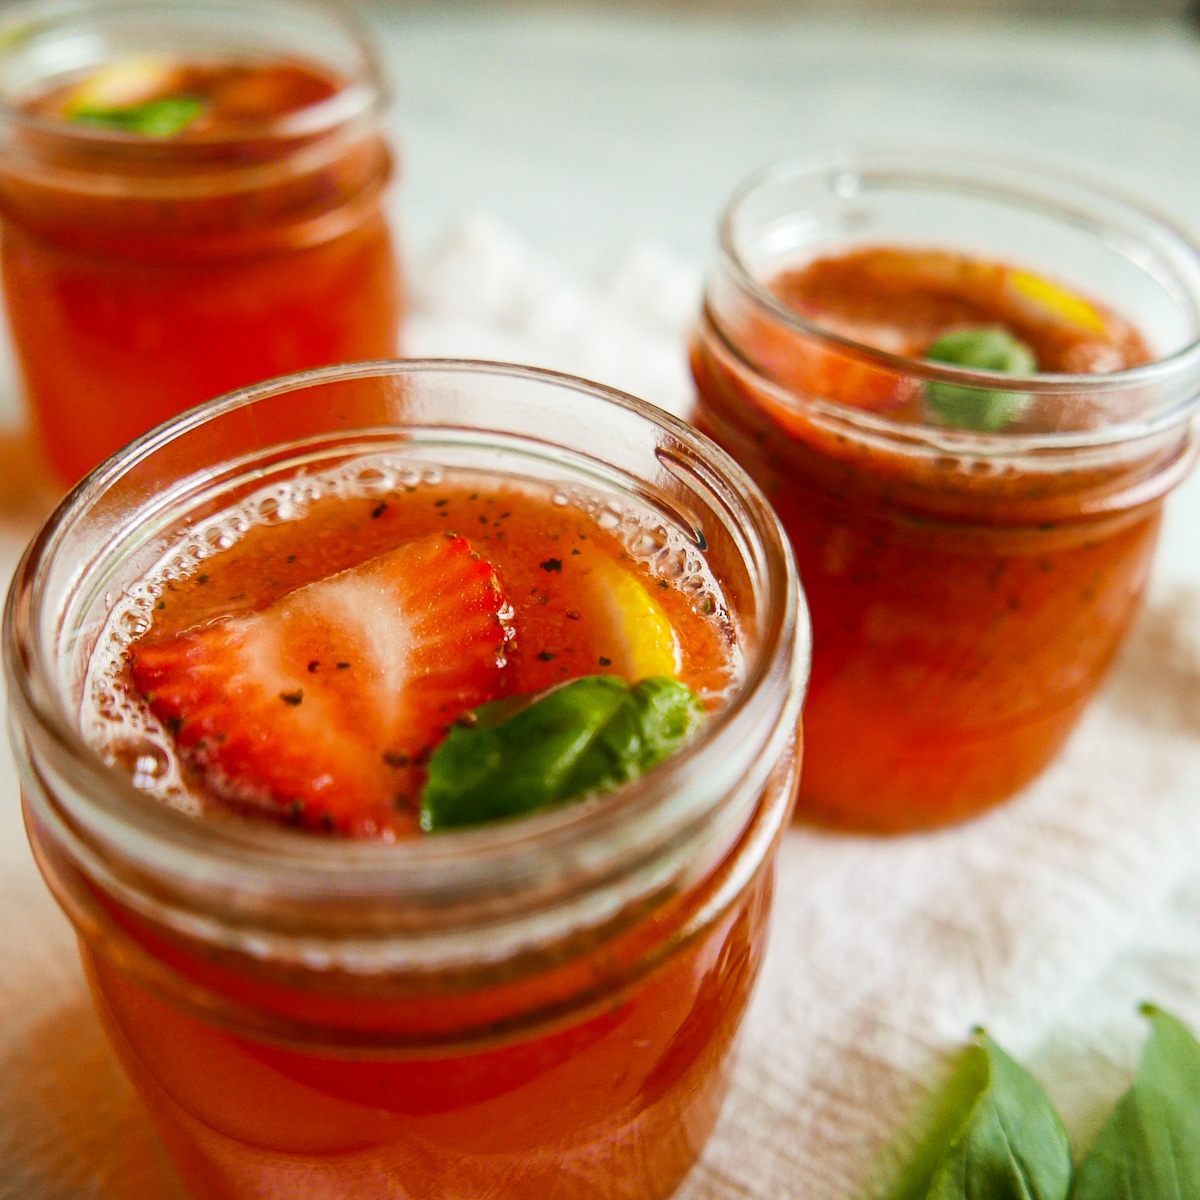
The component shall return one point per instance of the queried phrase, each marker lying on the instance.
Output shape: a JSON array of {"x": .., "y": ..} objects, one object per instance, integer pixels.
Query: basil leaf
[
  {"x": 991, "y": 1133},
  {"x": 161, "y": 118},
  {"x": 1149, "y": 1149},
  {"x": 985, "y": 350},
  {"x": 528, "y": 753}
]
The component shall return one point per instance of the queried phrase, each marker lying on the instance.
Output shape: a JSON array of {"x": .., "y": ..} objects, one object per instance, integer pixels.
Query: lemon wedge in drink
[
  {"x": 1057, "y": 300},
  {"x": 643, "y": 638},
  {"x": 123, "y": 83}
]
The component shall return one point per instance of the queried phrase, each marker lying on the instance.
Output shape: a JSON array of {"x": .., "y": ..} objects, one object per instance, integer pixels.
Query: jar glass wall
[
  {"x": 542, "y": 1007},
  {"x": 147, "y": 273},
  {"x": 969, "y": 586}
]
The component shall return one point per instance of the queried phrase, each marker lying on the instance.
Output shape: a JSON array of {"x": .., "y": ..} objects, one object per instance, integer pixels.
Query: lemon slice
[
  {"x": 123, "y": 83},
  {"x": 1057, "y": 300},
  {"x": 641, "y": 628}
]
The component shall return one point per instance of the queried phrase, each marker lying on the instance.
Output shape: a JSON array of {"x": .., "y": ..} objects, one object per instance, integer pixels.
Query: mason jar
[
  {"x": 969, "y": 587},
  {"x": 541, "y": 1007},
  {"x": 144, "y": 274}
]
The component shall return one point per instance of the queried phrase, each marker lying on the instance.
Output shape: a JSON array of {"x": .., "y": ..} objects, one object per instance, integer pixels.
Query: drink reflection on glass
[{"x": 191, "y": 198}]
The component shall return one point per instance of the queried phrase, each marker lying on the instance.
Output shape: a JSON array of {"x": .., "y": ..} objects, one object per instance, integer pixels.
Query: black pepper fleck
[
  {"x": 292, "y": 698},
  {"x": 551, "y": 564},
  {"x": 379, "y": 510}
]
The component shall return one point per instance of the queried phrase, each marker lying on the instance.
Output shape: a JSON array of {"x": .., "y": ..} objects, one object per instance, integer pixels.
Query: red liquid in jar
[
  {"x": 962, "y": 618},
  {"x": 594, "y": 1075},
  {"x": 144, "y": 275}
]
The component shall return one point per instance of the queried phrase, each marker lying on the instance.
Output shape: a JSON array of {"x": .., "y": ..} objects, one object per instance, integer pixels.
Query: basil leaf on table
[
  {"x": 527, "y": 753},
  {"x": 1149, "y": 1149},
  {"x": 991, "y": 1133}
]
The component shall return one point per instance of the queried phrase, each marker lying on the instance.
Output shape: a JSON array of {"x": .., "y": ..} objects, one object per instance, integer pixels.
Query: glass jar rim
[
  {"x": 361, "y": 98},
  {"x": 1001, "y": 177},
  {"x": 251, "y": 857}
]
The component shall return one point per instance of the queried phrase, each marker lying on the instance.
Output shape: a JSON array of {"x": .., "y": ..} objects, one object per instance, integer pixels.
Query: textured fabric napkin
[{"x": 1047, "y": 920}]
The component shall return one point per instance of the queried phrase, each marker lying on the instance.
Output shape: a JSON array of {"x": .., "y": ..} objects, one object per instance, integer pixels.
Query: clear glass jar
[
  {"x": 968, "y": 589},
  {"x": 143, "y": 275},
  {"x": 538, "y": 1008}
]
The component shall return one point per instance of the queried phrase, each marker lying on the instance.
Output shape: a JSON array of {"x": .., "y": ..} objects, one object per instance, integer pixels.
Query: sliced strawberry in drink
[{"x": 322, "y": 707}]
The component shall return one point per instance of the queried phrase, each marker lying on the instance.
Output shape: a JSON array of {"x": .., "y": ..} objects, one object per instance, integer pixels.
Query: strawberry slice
[{"x": 322, "y": 708}]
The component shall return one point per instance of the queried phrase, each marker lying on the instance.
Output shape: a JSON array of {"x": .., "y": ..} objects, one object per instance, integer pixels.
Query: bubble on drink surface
[
  {"x": 126, "y": 734},
  {"x": 120, "y": 725},
  {"x": 647, "y": 541},
  {"x": 281, "y": 504},
  {"x": 381, "y": 479},
  {"x": 145, "y": 761},
  {"x": 671, "y": 562},
  {"x": 217, "y": 539}
]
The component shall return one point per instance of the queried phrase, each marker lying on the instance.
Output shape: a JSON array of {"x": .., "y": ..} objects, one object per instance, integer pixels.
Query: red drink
[
  {"x": 573, "y": 602},
  {"x": 145, "y": 272},
  {"x": 972, "y": 570},
  {"x": 539, "y": 1007}
]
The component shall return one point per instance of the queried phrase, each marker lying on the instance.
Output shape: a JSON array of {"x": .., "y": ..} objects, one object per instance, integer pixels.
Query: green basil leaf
[
  {"x": 985, "y": 350},
  {"x": 1149, "y": 1149},
  {"x": 161, "y": 118},
  {"x": 990, "y": 1133},
  {"x": 528, "y": 753}
]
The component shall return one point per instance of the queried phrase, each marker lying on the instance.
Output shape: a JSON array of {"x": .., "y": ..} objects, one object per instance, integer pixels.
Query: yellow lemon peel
[
  {"x": 1057, "y": 300},
  {"x": 651, "y": 644},
  {"x": 123, "y": 83}
]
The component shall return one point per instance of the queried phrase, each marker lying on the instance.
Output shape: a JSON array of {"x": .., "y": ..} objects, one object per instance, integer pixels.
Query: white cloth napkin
[{"x": 1047, "y": 921}]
